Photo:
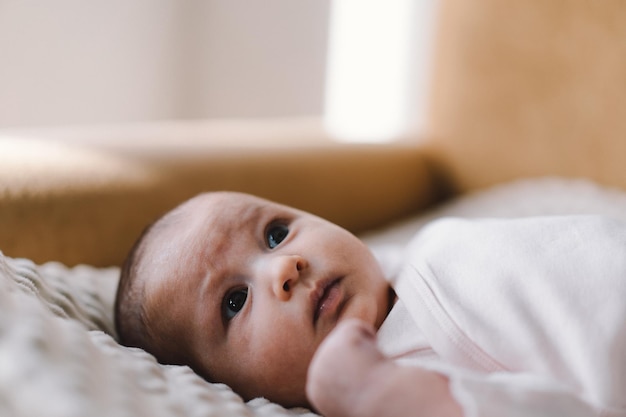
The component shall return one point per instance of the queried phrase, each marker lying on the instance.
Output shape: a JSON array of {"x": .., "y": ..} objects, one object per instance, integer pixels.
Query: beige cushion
[
  {"x": 84, "y": 195},
  {"x": 530, "y": 88}
]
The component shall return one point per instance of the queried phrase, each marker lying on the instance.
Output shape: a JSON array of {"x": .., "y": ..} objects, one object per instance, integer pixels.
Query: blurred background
[
  {"x": 130, "y": 106},
  {"x": 355, "y": 64}
]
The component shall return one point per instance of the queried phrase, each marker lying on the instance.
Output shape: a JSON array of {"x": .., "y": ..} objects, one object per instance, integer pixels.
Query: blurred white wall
[
  {"x": 69, "y": 62},
  {"x": 257, "y": 58},
  {"x": 380, "y": 58}
]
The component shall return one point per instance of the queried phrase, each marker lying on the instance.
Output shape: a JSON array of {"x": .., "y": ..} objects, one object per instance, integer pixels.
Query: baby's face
[{"x": 255, "y": 287}]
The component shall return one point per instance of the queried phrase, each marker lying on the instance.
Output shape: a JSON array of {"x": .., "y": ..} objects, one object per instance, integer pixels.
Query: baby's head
[{"x": 243, "y": 290}]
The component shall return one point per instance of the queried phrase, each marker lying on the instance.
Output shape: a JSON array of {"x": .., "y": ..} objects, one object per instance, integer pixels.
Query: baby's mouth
[{"x": 326, "y": 298}]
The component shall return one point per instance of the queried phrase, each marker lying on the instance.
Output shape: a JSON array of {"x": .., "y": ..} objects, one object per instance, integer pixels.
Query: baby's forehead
[
  {"x": 204, "y": 223},
  {"x": 219, "y": 213}
]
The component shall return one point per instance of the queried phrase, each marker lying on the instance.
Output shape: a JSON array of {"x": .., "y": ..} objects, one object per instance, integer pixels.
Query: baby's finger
[
  {"x": 351, "y": 344},
  {"x": 354, "y": 329}
]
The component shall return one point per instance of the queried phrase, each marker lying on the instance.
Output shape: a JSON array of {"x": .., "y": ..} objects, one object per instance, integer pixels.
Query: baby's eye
[
  {"x": 234, "y": 302},
  {"x": 275, "y": 234}
]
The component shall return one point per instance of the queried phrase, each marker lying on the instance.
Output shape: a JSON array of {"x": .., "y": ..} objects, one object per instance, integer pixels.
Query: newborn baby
[
  {"x": 279, "y": 303},
  {"x": 244, "y": 290}
]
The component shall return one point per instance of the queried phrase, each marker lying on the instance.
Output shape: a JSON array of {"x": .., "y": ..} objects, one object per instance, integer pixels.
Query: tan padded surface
[
  {"x": 526, "y": 88},
  {"x": 83, "y": 195}
]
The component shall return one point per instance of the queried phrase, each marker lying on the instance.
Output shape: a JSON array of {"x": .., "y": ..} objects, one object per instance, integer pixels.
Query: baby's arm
[{"x": 349, "y": 376}]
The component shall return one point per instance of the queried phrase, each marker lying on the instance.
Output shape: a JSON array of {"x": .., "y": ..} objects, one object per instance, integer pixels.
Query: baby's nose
[{"x": 286, "y": 272}]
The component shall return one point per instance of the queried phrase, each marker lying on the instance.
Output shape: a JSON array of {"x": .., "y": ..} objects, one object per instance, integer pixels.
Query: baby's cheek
[
  {"x": 286, "y": 347},
  {"x": 296, "y": 349},
  {"x": 282, "y": 344},
  {"x": 283, "y": 370}
]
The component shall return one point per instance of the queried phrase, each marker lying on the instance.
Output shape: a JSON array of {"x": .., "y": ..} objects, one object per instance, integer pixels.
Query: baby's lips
[{"x": 317, "y": 296}]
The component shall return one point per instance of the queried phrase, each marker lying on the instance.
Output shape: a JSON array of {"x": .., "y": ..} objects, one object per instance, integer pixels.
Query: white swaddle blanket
[{"x": 526, "y": 314}]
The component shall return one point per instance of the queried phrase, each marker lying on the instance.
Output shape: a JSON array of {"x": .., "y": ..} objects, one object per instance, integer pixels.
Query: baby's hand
[
  {"x": 349, "y": 376},
  {"x": 344, "y": 369}
]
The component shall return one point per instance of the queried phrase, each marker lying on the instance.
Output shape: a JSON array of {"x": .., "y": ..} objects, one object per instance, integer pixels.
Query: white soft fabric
[
  {"x": 59, "y": 357},
  {"x": 540, "y": 297}
]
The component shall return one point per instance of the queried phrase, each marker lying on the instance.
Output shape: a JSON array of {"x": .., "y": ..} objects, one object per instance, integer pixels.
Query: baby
[
  {"x": 244, "y": 291},
  {"x": 278, "y": 303}
]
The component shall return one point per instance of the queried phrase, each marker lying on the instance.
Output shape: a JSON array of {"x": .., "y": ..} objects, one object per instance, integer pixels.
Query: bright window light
[{"x": 371, "y": 74}]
